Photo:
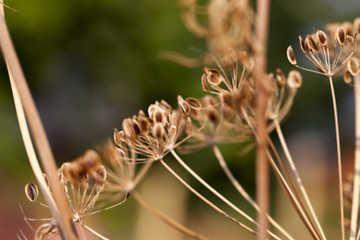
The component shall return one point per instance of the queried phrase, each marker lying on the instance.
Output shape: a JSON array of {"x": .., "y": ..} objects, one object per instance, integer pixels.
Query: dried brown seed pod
[
  {"x": 158, "y": 130},
  {"x": 294, "y": 80},
  {"x": 340, "y": 36},
  {"x": 194, "y": 103},
  {"x": 31, "y": 191},
  {"x": 348, "y": 28},
  {"x": 209, "y": 100},
  {"x": 184, "y": 106},
  {"x": 144, "y": 124},
  {"x": 212, "y": 115},
  {"x": 353, "y": 66},
  {"x": 303, "y": 45},
  {"x": 291, "y": 55},
  {"x": 129, "y": 131},
  {"x": 313, "y": 47},
  {"x": 204, "y": 83},
  {"x": 119, "y": 137},
  {"x": 347, "y": 77},
  {"x": 322, "y": 38},
  {"x": 159, "y": 116},
  {"x": 356, "y": 24},
  {"x": 74, "y": 172},
  {"x": 227, "y": 99},
  {"x": 280, "y": 77},
  {"x": 91, "y": 161},
  {"x": 213, "y": 76}
]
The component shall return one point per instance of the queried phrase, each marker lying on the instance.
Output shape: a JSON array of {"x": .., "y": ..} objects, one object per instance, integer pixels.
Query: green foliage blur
[{"x": 91, "y": 63}]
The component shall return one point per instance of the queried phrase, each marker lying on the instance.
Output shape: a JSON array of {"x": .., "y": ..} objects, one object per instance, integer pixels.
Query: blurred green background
[{"x": 92, "y": 63}]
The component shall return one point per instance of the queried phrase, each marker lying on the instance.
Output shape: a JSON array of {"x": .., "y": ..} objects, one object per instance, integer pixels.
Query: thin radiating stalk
[
  {"x": 211, "y": 189},
  {"x": 341, "y": 191},
  {"x": 242, "y": 191},
  {"x": 297, "y": 176},
  {"x": 206, "y": 200},
  {"x": 64, "y": 220},
  {"x": 356, "y": 188},
  {"x": 165, "y": 218}
]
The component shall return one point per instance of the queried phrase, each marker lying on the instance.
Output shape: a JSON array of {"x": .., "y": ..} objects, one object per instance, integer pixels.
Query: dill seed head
[
  {"x": 31, "y": 191},
  {"x": 328, "y": 54}
]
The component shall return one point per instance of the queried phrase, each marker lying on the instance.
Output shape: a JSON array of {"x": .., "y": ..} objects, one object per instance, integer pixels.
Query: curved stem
[
  {"x": 211, "y": 189},
  {"x": 165, "y": 218},
  {"x": 341, "y": 191},
  {"x": 64, "y": 223},
  {"x": 297, "y": 176},
  {"x": 242, "y": 191},
  {"x": 205, "y": 199},
  {"x": 356, "y": 188}
]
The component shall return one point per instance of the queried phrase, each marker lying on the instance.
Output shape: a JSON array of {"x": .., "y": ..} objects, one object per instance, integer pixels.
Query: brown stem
[
  {"x": 262, "y": 166},
  {"x": 165, "y": 218},
  {"x": 64, "y": 220}
]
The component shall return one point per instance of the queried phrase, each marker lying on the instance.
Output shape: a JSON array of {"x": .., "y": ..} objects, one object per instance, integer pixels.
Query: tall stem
[
  {"x": 165, "y": 218},
  {"x": 356, "y": 188},
  {"x": 211, "y": 189},
  {"x": 297, "y": 176},
  {"x": 213, "y": 206},
  {"x": 64, "y": 220},
  {"x": 242, "y": 191},
  {"x": 341, "y": 191},
  {"x": 262, "y": 165}
]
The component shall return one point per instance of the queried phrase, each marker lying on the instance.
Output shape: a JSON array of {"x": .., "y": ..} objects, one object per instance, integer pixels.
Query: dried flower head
[
  {"x": 154, "y": 136},
  {"x": 213, "y": 123},
  {"x": 227, "y": 32},
  {"x": 330, "y": 53}
]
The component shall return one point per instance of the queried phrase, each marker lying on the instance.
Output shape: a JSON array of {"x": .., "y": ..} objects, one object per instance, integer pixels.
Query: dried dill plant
[{"x": 243, "y": 104}]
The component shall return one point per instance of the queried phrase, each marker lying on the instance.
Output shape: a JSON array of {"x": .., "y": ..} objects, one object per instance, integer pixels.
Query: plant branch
[
  {"x": 341, "y": 191},
  {"x": 64, "y": 220},
  {"x": 165, "y": 218},
  {"x": 297, "y": 176},
  {"x": 262, "y": 166},
  {"x": 205, "y": 199},
  {"x": 356, "y": 188},
  {"x": 242, "y": 191}
]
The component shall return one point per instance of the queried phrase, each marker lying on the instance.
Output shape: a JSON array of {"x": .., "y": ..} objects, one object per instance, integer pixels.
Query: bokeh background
[{"x": 91, "y": 63}]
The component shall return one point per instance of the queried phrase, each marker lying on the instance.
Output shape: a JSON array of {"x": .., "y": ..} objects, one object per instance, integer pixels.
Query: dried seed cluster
[{"x": 328, "y": 54}]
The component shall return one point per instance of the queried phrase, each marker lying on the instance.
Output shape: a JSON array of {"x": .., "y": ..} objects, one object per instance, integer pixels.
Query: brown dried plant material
[
  {"x": 31, "y": 191},
  {"x": 164, "y": 129},
  {"x": 328, "y": 54}
]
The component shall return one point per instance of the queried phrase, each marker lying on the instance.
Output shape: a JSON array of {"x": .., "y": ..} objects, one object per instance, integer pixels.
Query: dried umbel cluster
[
  {"x": 152, "y": 137},
  {"x": 227, "y": 27},
  {"x": 236, "y": 93},
  {"x": 329, "y": 53}
]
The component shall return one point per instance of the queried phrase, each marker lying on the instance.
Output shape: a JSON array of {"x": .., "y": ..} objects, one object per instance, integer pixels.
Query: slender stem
[
  {"x": 341, "y": 191},
  {"x": 205, "y": 199},
  {"x": 211, "y": 189},
  {"x": 293, "y": 199},
  {"x": 262, "y": 165},
  {"x": 165, "y": 218},
  {"x": 356, "y": 188},
  {"x": 64, "y": 222},
  {"x": 242, "y": 191},
  {"x": 297, "y": 176},
  {"x": 306, "y": 217}
]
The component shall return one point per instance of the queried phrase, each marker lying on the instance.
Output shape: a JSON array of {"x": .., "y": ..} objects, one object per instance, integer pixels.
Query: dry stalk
[
  {"x": 63, "y": 220},
  {"x": 262, "y": 168},
  {"x": 356, "y": 191}
]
